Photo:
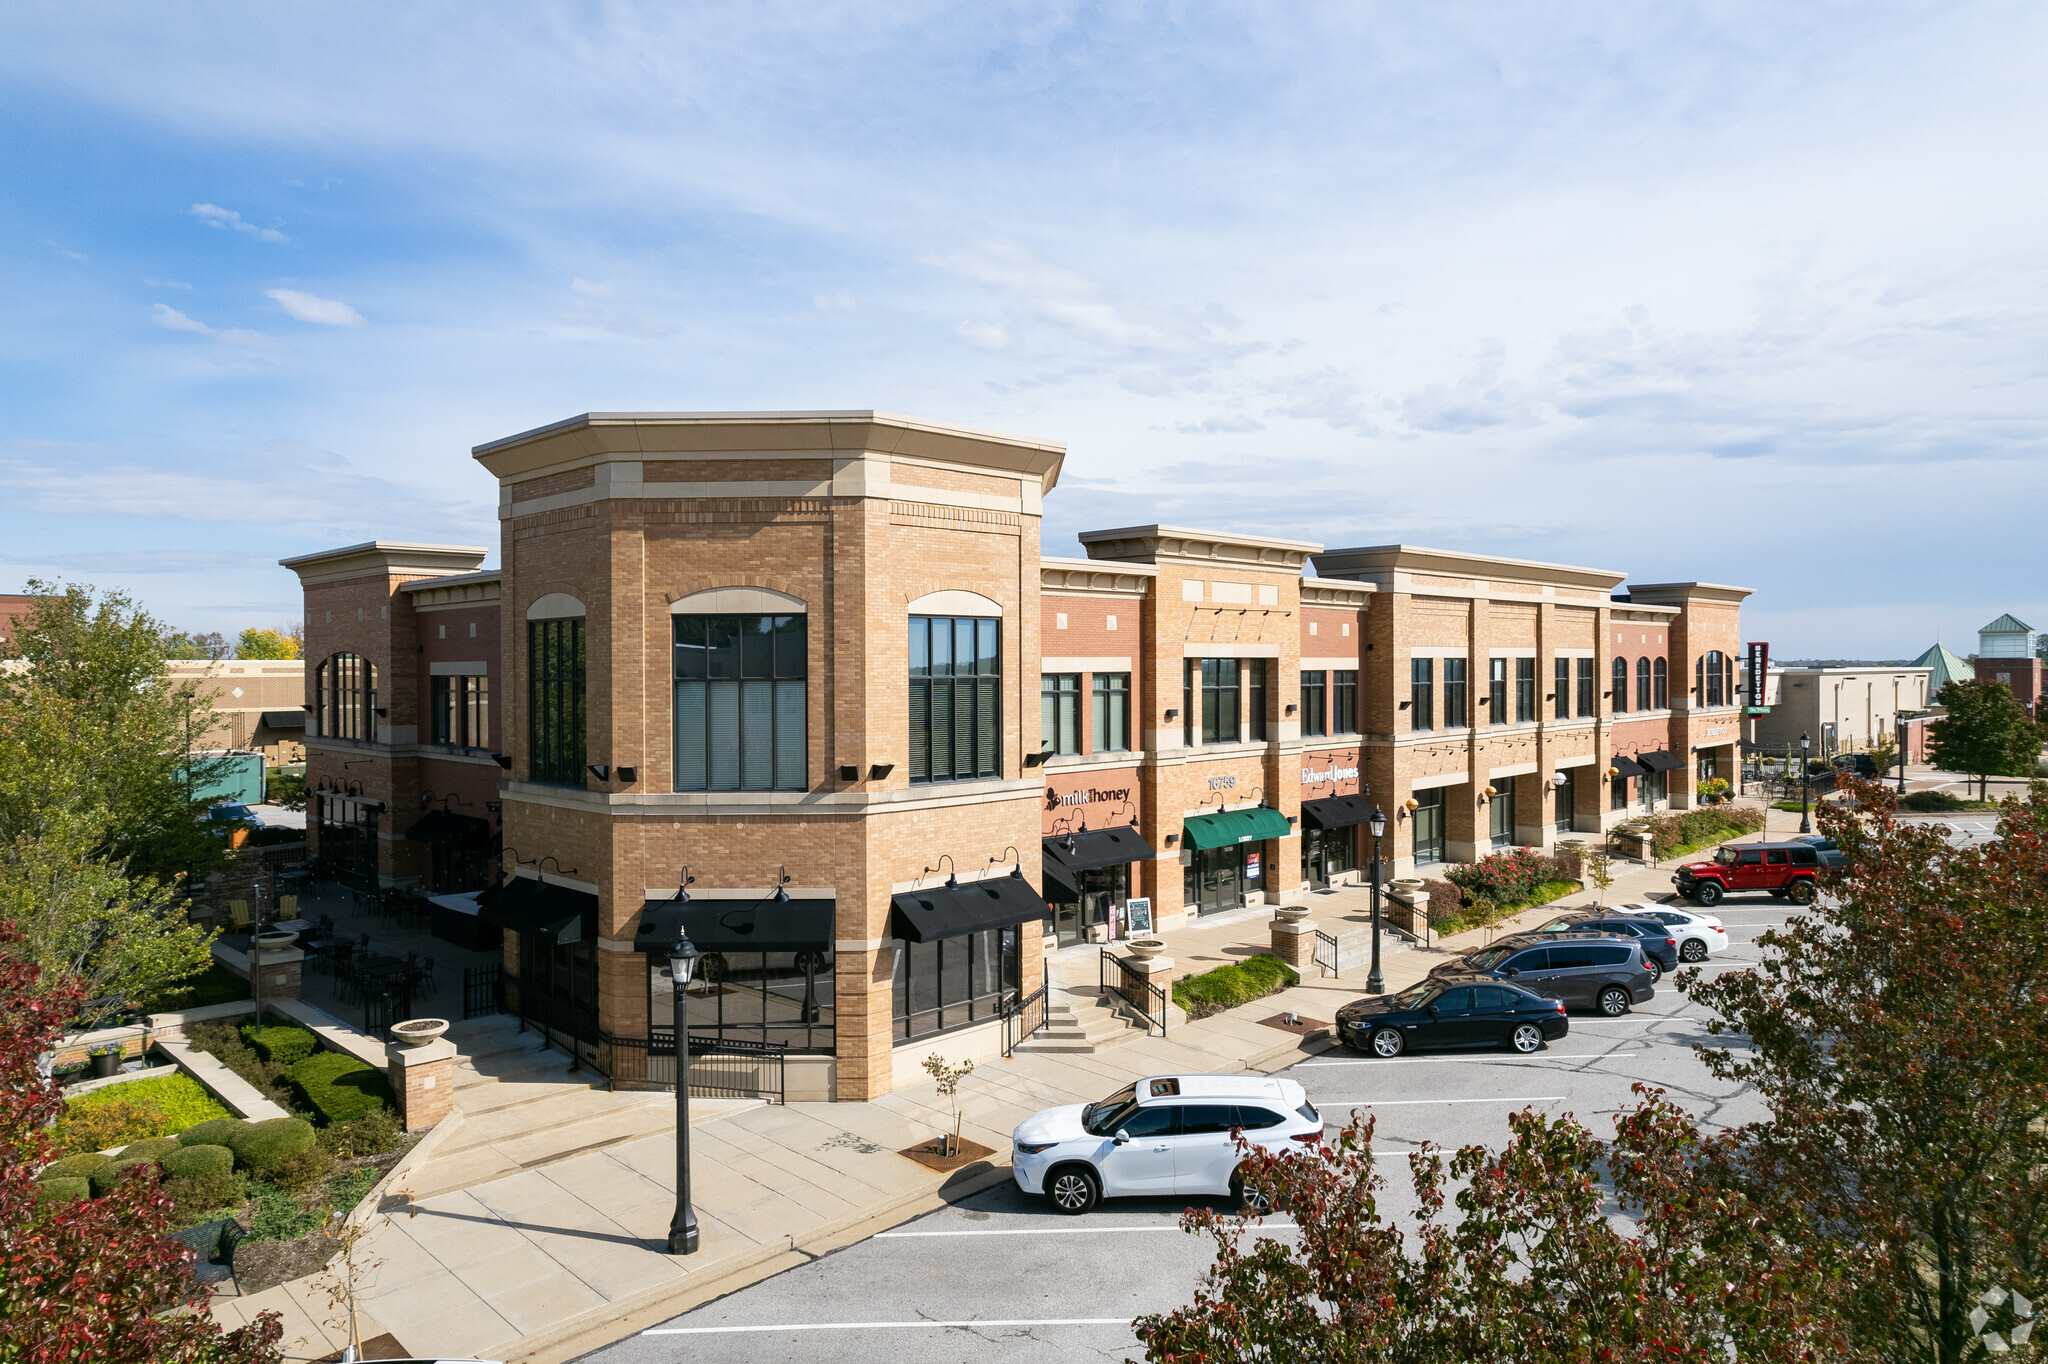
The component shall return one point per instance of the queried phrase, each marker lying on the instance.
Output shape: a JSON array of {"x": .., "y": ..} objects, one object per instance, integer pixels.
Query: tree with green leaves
[
  {"x": 1898, "y": 1031},
  {"x": 1986, "y": 732},
  {"x": 260, "y": 643},
  {"x": 212, "y": 646}
]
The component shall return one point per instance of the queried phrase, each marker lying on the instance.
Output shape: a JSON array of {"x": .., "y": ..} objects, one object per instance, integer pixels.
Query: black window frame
[
  {"x": 1255, "y": 677},
  {"x": 1588, "y": 689},
  {"x": 758, "y": 664},
  {"x": 971, "y": 1006},
  {"x": 1660, "y": 683},
  {"x": 1618, "y": 683},
  {"x": 1496, "y": 691},
  {"x": 1457, "y": 694},
  {"x": 933, "y": 705},
  {"x": 460, "y": 706},
  {"x": 1109, "y": 713},
  {"x": 1344, "y": 701},
  {"x": 557, "y": 702},
  {"x": 1059, "y": 708},
  {"x": 1525, "y": 690},
  {"x": 348, "y": 697},
  {"x": 1314, "y": 703},
  {"x": 1421, "y": 694},
  {"x": 1561, "y": 684},
  {"x": 1221, "y": 699},
  {"x": 1643, "y": 683}
]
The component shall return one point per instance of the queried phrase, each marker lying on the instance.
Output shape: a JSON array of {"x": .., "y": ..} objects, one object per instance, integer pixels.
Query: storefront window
[
  {"x": 1496, "y": 691},
  {"x": 1100, "y": 893},
  {"x": 1422, "y": 692},
  {"x": 1651, "y": 785},
  {"x": 1112, "y": 717},
  {"x": 1500, "y": 815},
  {"x": 1312, "y": 685},
  {"x": 955, "y": 698},
  {"x": 1525, "y": 690},
  {"x": 1059, "y": 712},
  {"x": 1561, "y": 682},
  {"x": 1428, "y": 820},
  {"x": 1344, "y": 702},
  {"x": 1567, "y": 800},
  {"x": 740, "y": 722},
  {"x": 951, "y": 983},
  {"x": 1216, "y": 878},
  {"x": 776, "y": 997},
  {"x": 564, "y": 973}
]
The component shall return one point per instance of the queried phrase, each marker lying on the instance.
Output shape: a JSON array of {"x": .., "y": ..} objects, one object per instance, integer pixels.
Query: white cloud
[
  {"x": 164, "y": 315},
  {"x": 168, "y": 284},
  {"x": 213, "y": 215},
  {"x": 324, "y": 312},
  {"x": 983, "y": 335},
  {"x": 170, "y": 319},
  {"x": 590, "y": 290},
  {"x": 838, "y": 301},
  {"x": 1218, "y": 425}
]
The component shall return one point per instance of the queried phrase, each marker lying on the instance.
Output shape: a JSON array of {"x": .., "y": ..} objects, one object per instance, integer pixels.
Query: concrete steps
[{"x": 1074, "y": 1025}]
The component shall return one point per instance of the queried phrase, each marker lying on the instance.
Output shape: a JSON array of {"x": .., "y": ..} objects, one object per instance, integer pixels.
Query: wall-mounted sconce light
[
  {"x": 1173, "y": 714},
  {"x": 682, "y": 895},
  {"x": 602, "y": 771},
  {"x": 849, "y": 772},
  {"x": 877, "y": 771},
  {"x": 781, "y": 880},
  {"x": 1290, "y": 708},
  {"x": 1293, "y": 820},
  {"x": 1611, "y": 774},
  {"x": 1403, "y": 706},
  {"x": 383, "y": 710},
  {"x": 629, "y": 774},
  {"x": 1172, "y": 839}
]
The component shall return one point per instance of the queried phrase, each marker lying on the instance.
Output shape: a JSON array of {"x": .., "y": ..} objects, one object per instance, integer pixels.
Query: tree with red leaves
[
  {"x": 94, "y": 1280},
  {"x": 1536, "y": 1269}
]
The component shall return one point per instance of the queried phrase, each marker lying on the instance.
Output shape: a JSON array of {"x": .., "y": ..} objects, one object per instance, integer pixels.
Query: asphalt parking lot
[{"x": 999, "y": 1277}]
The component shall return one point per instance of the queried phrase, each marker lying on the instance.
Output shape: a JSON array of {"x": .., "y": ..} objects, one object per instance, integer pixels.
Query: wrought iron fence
[
  {"x": 1023, "y": 1018},
  {"x": 382, "y": 1008},
  {"x": 480, "y": 995},
  {"x": 1326, "y": 952},
  {"x": 554, "y": 1018},
  {"x": 720, "y": 1067},
  {"x": 1115, "y": 975}
]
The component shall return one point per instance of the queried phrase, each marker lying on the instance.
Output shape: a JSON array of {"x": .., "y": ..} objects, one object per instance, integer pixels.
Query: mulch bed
[
  {"x": 926, "y": 1155},
  {"x": 266, "y": 1264},
  {"x": 1301, "y": 1027},
  {"x": 385, "y": 1346}
]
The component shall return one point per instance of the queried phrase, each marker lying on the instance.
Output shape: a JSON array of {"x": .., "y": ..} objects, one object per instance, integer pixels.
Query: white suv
[{"x": 1168, "y": 1134}]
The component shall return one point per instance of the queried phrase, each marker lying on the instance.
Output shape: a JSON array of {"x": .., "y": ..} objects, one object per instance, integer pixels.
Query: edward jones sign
[{"x": 1317, "y": 776}]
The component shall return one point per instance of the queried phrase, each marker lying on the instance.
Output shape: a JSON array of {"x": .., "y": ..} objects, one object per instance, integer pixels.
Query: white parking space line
[
  {"x": 1468, "y": 1060},
  {"x": 1415, "y": 1103},
  {"x": 1062, "y": 1231},
  {"x": 884, "y": 1326}
]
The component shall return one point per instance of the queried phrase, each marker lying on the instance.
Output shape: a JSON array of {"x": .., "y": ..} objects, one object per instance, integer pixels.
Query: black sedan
[{"x": 1452, "y": 1013}]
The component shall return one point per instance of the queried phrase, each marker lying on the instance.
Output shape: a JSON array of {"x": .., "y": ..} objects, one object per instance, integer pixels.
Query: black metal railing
[
  {"x": 554, "y": 1018},
  {"x": 1326, "y": 953},
  {"x": 1116, "y": 976},
  {"x": 382, "y": 1008},
  {"x": 720, "y": 1067},
  {"x": 480, "y": 993},
  {"x": 1025, "y": 1016}
]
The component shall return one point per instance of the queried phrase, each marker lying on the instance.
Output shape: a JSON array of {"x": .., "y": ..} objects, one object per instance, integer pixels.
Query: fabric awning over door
[
  {"x": 450, "y": 830},
  {"x": 527, "y": 905},
  {"x": 1626, "y": 767},
  {"x": 954, "y": 911},
  {"x": 1661, "y": 761},
  {"x": 1094, "y": 848},
  {"x": 765, "y": 925},
  {"x": 1234, "y": 826},
  {"x": 1337, "y": 812}
]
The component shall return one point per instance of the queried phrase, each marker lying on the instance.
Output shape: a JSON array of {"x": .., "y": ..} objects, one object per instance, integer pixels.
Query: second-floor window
[
  {"x": 1620, "y": 684},
  {"x": 1525, "y": 690},
  {"x": 1496, "y": 691},
  {"x": 1313, "y": 684},
  {"x": 1219, "y": 700},
  {"x": 1455, "y": 694},
  {"x": 740, "y": 703},
  {"x": 1714, "y": 678},
  {"x": 1421, "y": 693},
  {"x": 1589, "y": 691},
  {"x": 1344, "y": 701},
  {"x": 1111, "y": 732},
  {"x": 955, "y": 698},
  {"x": 1059, "y": 712},
  {"x": 554, "y": 684},
  {"x": 1658, "y": 695},
  {"x": 462, "y": 711},
  {"x": 1643, "y": 684},
  {"x": 1561, "y": 684},
  {"x": 347, "y": 697},
  {"x": 1255, "y": 698}
]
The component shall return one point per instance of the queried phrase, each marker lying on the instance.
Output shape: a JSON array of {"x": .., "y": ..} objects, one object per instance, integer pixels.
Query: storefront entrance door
[
  {"x": 1215, "y": 880},
  {"x": 1500, "y": 815},
  {"x": 1567, "y": 797},
  {"x": 1066, "y": 921},
  {"x": 1429, "y": 826}
]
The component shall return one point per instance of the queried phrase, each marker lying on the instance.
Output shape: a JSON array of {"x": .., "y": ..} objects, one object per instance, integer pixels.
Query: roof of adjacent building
[
  {"x": 2007, "y": 624},
  {"x": 1944, "y": 665}
]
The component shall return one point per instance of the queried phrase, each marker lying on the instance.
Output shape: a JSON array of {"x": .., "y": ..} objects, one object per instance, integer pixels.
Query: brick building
[{"x": 812, "y": 669}]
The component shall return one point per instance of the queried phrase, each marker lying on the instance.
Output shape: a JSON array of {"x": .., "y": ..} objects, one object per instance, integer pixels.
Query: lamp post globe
[
  {"x": 1375, "y": 983},
  {"x": 1805, "y": 784},
  {"x": 682, "y": 1228}
]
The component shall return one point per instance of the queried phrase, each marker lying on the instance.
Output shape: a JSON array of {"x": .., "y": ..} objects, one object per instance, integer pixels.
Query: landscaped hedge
[
  {"x": 281, "y": 1043},
  {"x": 63, "y": 1190},
  {"x": 124, "y": 1113},
  {"x": 262, "y": 1147},
  {"x": 193, "y": 1162},
  {"x": 1228, "y": 986},
  {"x": 213, "y": 1133},
  {"x": 339, "y": 1087},
  {"x": 75, "y": 1167},
  {"x": 1678, "y": 833},
  {"x": 1505, "y": 878}
]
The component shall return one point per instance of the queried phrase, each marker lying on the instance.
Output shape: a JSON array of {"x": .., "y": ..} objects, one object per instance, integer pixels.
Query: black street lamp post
[
  {"x": 1806, "y": 784},
  {"x": 1375, "y": 983},
  {"x": 1900, "y": 725},
  {"x": 682, "y": 1228}
]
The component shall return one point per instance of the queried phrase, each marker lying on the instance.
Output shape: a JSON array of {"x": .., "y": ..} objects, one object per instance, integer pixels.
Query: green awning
[{"x": 1234, "y": 826}]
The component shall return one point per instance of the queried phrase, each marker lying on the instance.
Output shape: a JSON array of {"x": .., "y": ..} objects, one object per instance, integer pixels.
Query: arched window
[
  {"x": 347, "y": 687},
  {"x": 1620, "y": 684},
  {"x": 1643, "y": 684},
  {"x": 1659, "y": 683}
]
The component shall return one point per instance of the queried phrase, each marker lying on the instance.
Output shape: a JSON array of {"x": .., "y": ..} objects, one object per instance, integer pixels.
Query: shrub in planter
[
  {"x": 194, "y": 1162},
  {"x": 297, "y": 1173},
  {"x": 215, "y": 1133},
  {"x": 103, "y": 1181},
  {"x": 1504, "y": 877},
  {"x": 1445, "y": 900},
  {"x": 280, "y": 1043},
  {"x": 108, "y": 1122},
  {"x": 261, "y": 1147},
  {"x": 72, "y": 1190},
  {"x": 75, "y": 1167},
  {"x": 339, "y": 1087},
  {"x": 370, "y": 1135}
]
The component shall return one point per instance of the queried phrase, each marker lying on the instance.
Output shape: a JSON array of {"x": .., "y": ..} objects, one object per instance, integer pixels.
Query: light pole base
[
  {"x": 682, "y": 1239},
  {"x": 1375, "y": 984}
]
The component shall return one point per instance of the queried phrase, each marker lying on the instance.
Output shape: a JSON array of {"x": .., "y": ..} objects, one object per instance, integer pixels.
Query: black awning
[
  {"x": 1058, "y": 881},
  {"x": 450, "y": 830},
  {"x": 954, "y": 911},
  {"x": 525, "y": 905},
  {"x": 284, "y": 719},
  {"x": 1095, "y": 848},
  {"x": 1625, "y": 767},
  {"x": 1336, "y": 812},
  {"x": 765, "y": 925},
  {"x": 1661, "y": 761}
]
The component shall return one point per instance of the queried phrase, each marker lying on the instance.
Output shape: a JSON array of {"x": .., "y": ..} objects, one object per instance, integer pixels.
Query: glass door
[
  {"x": 1429, "y": 826},
  {"x": 1315, "y": 865},
  {"x": 1066, "y": 921},
  {"x": 1500, "y": 816},
  {"x": 1222, "y": 879},
  {"x": 1567, "y": 799}
]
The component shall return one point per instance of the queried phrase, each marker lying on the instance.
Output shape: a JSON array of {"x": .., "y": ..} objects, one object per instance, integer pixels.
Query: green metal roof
[
  {"x": 1944, "y": 666},
  {"x": 2007, "y": 624},
  {"x": 1235, "y": 826}
]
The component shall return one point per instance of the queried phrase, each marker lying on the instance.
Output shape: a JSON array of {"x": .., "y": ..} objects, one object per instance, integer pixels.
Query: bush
[
  {"x": 194, "y": 1162},
  {"x": 103, "y": 1120},
  {"x": 194, "y": 1196},
  {"x": 261, "y": 1147},
  {"x": 72, "y": 1190},
  {"x": 370, "y": 1135},
  {"x": 1444, "y": 900},
  {"x": 215, "y": 1133},
  {"x": 1941, "y": 802},
  {"x": 339, "y": 1087},
  {"x": 277, "y": 1216},
  {"x": 104, "y": 1180},
  {"x": 281, "y": 1044},
  {"x": 75, "y": 1167},
  {"x": 1678, "y": 833},
  {"x": 1506, "y": 878},
  {"x": 156, "y": 1148},
  {"x": 302, "y": 1171},
  {"x": 1228, "y": 986}
]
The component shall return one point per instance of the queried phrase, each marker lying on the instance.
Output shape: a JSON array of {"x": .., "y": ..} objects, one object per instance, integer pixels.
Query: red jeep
[{"x": 1783, "y": 869}]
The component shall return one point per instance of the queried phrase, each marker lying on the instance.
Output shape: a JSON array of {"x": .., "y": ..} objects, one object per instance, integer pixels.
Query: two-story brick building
[{"x": 811, "y": 671}]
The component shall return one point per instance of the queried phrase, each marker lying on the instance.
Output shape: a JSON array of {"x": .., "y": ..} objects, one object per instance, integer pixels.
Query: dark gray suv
[{"x": 1598, "y": 971}]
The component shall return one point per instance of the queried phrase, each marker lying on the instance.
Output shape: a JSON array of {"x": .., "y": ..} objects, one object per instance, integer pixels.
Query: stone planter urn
[
  {"x": 275, "y": 942},
  {"x": 417, "y": 1032},
  {"x": 1407, "y": 885},
  {"x": 1144, "y": 949},
  {"x": 1291, "y": 914}
]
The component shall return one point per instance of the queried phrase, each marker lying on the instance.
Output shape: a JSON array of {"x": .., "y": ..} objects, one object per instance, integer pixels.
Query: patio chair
[
  {"x": 427, "y": 974},
  {"x": 238, "y": 915},
  {"x": 287, "y": 906}
]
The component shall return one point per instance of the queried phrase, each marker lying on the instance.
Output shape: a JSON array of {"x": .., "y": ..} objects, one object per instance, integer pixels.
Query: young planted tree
[
  {"x": 1597, "y": 864},
  {"x": 94, "y": 1280},
  {"x": 1898, "y": 1030},
  {"x": 948, "y": 1078},
  {"x": 1985, "y": 732},
  {"x": 1537, "y": 1266}
]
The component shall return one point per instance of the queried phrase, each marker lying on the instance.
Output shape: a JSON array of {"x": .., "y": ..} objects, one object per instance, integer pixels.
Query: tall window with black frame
[
  {"x": 1059, "y": 712},
  {"x": 1496, "y": 691},
  {"x": 1312, "y": 702},
  {"x": 1219, "y": 700},
  {"x": 1344, "y": 701},
  {"x": 1456, "y": 694},
  {"x": 1589, "y": 690},
  {"x": 740, "y": 703},
  {"x": 461, "y": 711},
  {"x": 1111, "y": 732},
  {"x": 555, "y": 701},
  {"x": 1659, "y": 685},
  {"x": 1255, "y": 698},
  {"x": 1525, "y": 690},
  {"x": 951, "y": 983},
  {"x": 1421, "y": 694},
  {"x": 1643, "y": 683},
  {"x": 1618, "y": 684},
  {"x": 955, "y": 698},
  {"x": 1561, "y": 683}
]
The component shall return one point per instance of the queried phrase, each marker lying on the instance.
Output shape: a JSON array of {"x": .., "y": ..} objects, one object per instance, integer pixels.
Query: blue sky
[{"x": 1744, "y": 294}]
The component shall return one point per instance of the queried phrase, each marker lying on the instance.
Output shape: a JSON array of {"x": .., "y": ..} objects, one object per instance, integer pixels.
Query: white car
[
  {"x": 1166, "y": 1134},
  {"x": 1699, "y": 935}
]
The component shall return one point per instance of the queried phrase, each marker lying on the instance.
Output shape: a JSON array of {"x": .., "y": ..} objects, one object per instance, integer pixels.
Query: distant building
[
  {"x": 258, "y": 704},
  {"x": 2005, "y": 653},
  {"x": 1842, "y": 710},
  {"x": 2007, "y": 637},
  {"x": 1944, "y": 665},
  {"x": 12, "y": 609}
]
